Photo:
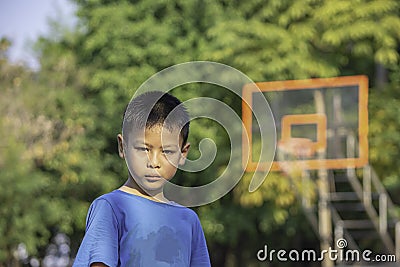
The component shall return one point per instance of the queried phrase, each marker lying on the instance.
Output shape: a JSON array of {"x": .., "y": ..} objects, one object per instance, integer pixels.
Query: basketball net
[{"x": 292, "y": 154}]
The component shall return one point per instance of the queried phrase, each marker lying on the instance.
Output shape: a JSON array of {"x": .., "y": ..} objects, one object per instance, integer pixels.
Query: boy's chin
[{"x": 152, "y": 186}]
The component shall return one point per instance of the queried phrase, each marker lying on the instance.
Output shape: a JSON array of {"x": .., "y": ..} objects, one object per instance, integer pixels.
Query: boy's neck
[{"x": 130, "y": 186}]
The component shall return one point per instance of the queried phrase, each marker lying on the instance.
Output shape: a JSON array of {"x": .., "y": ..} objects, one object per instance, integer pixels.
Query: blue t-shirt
[{"x": 123, "y": 229}]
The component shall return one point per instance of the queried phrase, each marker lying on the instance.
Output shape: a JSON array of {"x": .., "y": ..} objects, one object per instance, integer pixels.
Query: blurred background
[{"x": 62, "y": 102}]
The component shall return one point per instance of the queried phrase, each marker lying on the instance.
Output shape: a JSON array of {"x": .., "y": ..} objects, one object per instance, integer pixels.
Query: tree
[
  {"x": 42, "y": 129},
  {"x": 74, "y": 104},
  {"x": 270, "y": 40},
  {"x": 29, "y": 211},
  {"x": 306, "y": 38},
  {"x": 383, "y": 133}
]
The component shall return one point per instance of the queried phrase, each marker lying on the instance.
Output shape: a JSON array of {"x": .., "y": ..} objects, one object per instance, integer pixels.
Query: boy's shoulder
[{"x": 118, "y": 199}]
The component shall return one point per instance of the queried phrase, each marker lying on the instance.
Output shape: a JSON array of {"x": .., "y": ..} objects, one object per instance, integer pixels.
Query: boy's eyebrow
[
  {"x": 146, "y": 144},
  {"x": 173, "y": 146},
  {"x": 139, "y": 143}
]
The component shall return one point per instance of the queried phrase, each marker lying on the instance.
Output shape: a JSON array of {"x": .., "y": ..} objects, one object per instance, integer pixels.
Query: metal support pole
[
  {"x": 338, "y": 236},
  {"x": 397, "y": 241},
  {"x": 367, "y": 186},
  {"x": 305, "y": 178},
  {"x": 324, "y": 213},
  {"x": 325, "y": 222},
  {"x": 350, "y": 152},
  {"x": 382, "y": 213}
]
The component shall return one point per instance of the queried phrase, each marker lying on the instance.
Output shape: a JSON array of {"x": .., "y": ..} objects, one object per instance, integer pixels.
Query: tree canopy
[{"x": 58, "y": 126}]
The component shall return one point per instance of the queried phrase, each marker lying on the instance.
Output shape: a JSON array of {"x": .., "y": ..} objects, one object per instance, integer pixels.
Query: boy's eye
[
  {"x": 143, "y": 149},
  {"x": 169, "y": 152}
]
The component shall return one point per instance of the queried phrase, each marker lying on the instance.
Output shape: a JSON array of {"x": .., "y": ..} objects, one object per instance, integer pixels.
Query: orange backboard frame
[
  {"x": 361, "y": 81},
  {"x": 302, "y": 119}
]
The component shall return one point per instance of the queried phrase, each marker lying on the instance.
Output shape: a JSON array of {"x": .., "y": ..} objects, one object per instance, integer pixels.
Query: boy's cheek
[
  {"x": 134, "y": 160},
  {"x": 174, "y": 161}
]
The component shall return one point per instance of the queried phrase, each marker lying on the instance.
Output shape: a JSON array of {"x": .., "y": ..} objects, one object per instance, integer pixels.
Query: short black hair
[{"x": 153, "y": 108}]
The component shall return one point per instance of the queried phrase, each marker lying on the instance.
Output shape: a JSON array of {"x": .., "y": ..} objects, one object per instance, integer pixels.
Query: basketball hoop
[{"x": 292, "y": 153}]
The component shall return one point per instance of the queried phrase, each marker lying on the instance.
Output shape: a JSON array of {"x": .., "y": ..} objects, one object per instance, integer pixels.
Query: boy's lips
[{"x": 152, "y": 177}]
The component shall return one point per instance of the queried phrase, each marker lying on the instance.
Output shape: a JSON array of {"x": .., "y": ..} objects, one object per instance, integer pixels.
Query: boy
[{"x": 136, "y": 225}]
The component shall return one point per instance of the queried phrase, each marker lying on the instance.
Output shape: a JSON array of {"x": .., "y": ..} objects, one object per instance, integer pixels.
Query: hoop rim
[{"x": 298, "y": 147}]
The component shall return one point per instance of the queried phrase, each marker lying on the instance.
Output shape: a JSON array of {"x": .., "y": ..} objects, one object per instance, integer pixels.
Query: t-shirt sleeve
[
  {"x": 199, "y": 254},
  {"x": 100, "y": 243}
]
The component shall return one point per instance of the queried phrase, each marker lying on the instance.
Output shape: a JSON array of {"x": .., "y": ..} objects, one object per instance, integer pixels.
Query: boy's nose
[{"x": 153, "y": 161}]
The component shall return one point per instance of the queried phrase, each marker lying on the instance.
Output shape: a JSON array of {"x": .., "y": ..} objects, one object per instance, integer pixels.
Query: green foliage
[
  {"x": 58, "y": 126},
  {"x": 28, "y": 212},
  {"x": 44, "y": 160},
  {"x": 301, "y": 39},
  {"x": 384, "y": 136}
]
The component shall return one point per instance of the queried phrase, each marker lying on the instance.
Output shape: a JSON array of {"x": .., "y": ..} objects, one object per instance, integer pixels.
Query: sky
[{"x": 23, "y": 21}]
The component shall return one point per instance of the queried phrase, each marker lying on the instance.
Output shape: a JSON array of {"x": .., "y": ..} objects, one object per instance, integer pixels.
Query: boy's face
[{"x": 153, "y": 156}]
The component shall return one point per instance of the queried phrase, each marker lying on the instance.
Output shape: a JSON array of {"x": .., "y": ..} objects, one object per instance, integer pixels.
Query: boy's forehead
[
  {"x": 157, "y": 128},
  {"x": 172, "y": 134}
]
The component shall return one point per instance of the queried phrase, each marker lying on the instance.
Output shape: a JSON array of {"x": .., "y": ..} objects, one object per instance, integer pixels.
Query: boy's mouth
[{"x": 152, "y": 177}]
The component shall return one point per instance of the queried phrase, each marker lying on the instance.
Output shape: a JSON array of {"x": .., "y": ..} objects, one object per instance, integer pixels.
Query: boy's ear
[
  {"x": 121, "y": 146},
  {"x": 184, "y": 153}
]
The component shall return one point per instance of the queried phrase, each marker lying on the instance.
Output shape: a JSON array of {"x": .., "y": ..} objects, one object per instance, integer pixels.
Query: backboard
[{"x": 331, "y": 114}]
